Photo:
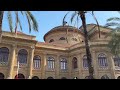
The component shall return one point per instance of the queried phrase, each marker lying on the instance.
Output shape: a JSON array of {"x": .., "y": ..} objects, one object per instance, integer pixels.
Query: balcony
[{"x": 3, "y": 63}]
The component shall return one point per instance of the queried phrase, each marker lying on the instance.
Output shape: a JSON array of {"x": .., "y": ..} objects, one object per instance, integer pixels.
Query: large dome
[{"x": 64, "y": 35}]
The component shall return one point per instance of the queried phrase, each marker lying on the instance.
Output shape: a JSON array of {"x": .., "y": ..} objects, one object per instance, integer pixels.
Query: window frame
[
  {"x": 37, "y": 62},
  {"x": 74, "y": 63},
  {"x": 50, "y": 63},
  {"x": 51, "y": 40},
  {"x": 63, "y": 64},
  {"x": 102, "y": 60},
  {"x": 22, "y": 57},
  {"x": 4, "y": 55},
  {"x": 62, "y": 38}
]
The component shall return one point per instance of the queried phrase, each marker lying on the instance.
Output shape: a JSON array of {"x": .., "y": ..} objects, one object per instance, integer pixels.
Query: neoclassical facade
[{"x": 61, "y": 56}]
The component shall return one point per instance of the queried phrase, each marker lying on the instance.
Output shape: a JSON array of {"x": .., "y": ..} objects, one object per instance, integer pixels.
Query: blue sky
[{"x": 50, "y": 19}]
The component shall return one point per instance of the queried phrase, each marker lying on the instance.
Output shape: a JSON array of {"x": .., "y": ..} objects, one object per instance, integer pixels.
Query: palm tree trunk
[
  {"x": 89, "y": 58},
  {"x": 1, "y": 18}
]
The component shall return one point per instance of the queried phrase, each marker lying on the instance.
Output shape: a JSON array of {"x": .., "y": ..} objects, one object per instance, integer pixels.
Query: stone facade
[{"x": 62, "y": 44}]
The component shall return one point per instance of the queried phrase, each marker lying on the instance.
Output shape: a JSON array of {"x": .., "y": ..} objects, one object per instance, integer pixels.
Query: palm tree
[
  {"x": 81, "y": 15},
  {"x": 114, "y": 43},
  {"x": 30, "y": 18}
]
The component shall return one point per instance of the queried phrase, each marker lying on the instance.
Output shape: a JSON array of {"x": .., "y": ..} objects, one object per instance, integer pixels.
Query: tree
[
  {"x": 81, "y": 15},
  {"x": 30, "y": 18},
  {"x": 114, "y": 43}
]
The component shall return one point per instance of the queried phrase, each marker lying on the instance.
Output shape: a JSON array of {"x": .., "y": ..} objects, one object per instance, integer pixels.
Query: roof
[
  {"x": 61, "y": 28},
  {"x": 91, "y": 28},
  {"x": 58, "y": 45},
  {"x": 18, "y": 32}
]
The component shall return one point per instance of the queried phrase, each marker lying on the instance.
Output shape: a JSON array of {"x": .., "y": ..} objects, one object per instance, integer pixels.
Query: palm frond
[
  {"x": 22, "y": 12},
  {"x": 20, "y": 24},
  {"x": 33, "y": 20},
  {"x": 112, "y": 24},
  {"x": 117, "y": 29},
  {"x": 73, "y": 16},
  {"x": 9, "y": 16},
  {"x": 28, "y": 21},
  {"x": 16, "y": 23},
  {"x": 118, "y": 11},
  {"x": 110, "y": 33},
  {"x": 113, "y": 19},
  {"x": 65, "y": 18},
  {"x": 96, "y": 22},
  {"x": 1, "y": 17},
  {"x": 114, "y": 44},
  {"x": 77, "y": 21}
]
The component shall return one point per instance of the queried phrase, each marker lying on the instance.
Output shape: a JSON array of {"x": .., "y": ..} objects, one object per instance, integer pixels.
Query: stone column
[
  {"x": 31, "y": 56},
  {"x": 57, "y": 67},
  {"x": 79, "y": 58},
  {"x": 111, "y": 66},
  {"x": 44, "y": 66},
  {"x": 11, "y": 65},
  {"x": 95, "y": 65},
  {"x": 69, "y": 67}
]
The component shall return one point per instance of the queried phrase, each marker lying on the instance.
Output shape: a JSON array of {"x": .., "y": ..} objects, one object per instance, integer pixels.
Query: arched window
[
  {"x": 20, "y": 76},
  {"x": 35, "y": 77},
  {"x": 50, "y": 78},
  {"x": 102, "y": 60},
  {"x": 104, "y": 77},
  {"x": 63, "y": 64},
  {"x": 85, "y": 62},
  {"x": 62, "y": 38},
  {"x": 51, "y": 63},
  {"x": 22, "y": 56},
  {"x": 118, "y": 77},
  {"x": 74, "y": 39},
  {"x": 52, "y": 40},
  {"x": 36, "y": 62},
  {"x": 117, "y": 61},
  {"x": 4, "y": 53},
  {"x": 87, "y": 77},
  {"x": 74, "y": 63},
  {"x": 2, "y": 76}
]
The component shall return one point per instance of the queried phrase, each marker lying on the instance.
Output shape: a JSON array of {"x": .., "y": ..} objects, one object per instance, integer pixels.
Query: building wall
[{"x": 77, "y": 50}]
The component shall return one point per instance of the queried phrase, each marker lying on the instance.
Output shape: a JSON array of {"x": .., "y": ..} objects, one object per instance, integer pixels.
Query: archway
[
  {"x": 1, "y": 76},
  {"x": 118, "y": 77},
  {"x": 75, "y": 78},
  {"x": 50, "y": 78},
  {"x": 104, "y": 77},
  {"x": 20, "y": 76},
  {"x": 87, "y": 77},
  {"x": 63, "y": 78},
  {"x": 35, "y": 77}
]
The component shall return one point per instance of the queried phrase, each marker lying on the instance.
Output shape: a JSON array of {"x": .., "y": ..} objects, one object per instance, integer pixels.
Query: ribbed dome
[
  {"x": 61, "y": 28},
  {"x": 59, "y": 35}
]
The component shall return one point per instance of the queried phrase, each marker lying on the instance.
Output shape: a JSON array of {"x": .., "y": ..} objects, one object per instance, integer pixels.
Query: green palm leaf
[
  {"x": 113, "y": 19},
  {"x": 33, "y": 20},
  {"x": 63, "y": 21},
  {"x": 9, "y": 16}
]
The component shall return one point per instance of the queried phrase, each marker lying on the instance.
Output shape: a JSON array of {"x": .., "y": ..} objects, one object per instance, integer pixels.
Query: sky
[{"x": 50, "y": 19}]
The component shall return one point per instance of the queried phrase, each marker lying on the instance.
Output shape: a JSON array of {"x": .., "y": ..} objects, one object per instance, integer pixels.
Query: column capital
[
  {"x": 93, "y": 51},
  {"x": 31, "y": 56},
  {"x": 14, "y": 45},
  {"x": 32, "y": 47}
]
